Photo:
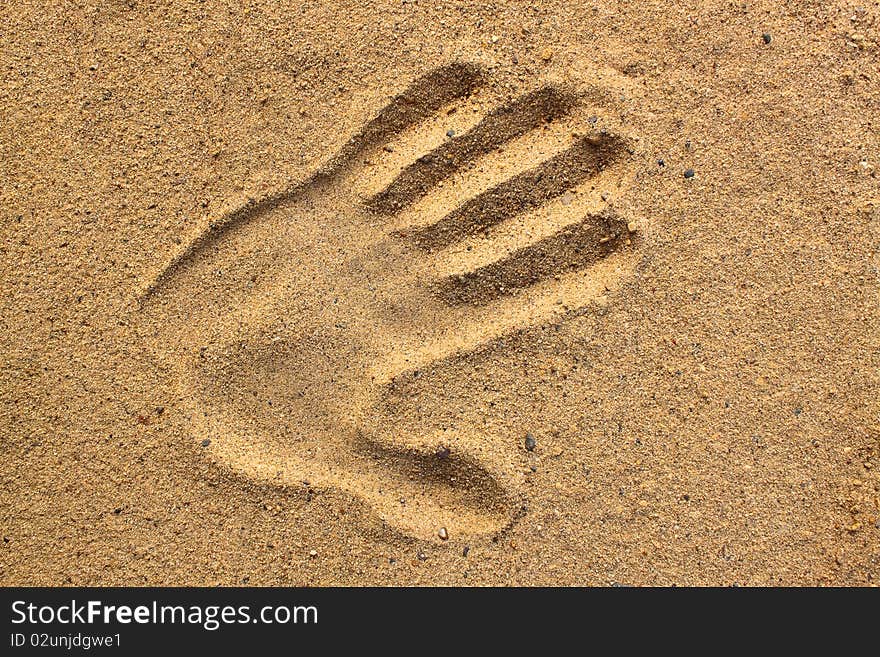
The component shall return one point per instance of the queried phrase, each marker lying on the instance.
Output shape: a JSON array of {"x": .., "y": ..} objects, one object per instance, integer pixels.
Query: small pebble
[
  {"x": 443, "y": 534},
  {"x": 467, "y": 549},
  {"x": 689, "y": 173},
  {"x": 206, "y": 442},
  {"x": 531, "y": 443},
  {"x": 422, "y": 556},
  {"x": 450, "y": 133},
  {"x": 767, "y": 38},
  {"x": 661, "y": 163},
  {"x": 313, "y": 553}
]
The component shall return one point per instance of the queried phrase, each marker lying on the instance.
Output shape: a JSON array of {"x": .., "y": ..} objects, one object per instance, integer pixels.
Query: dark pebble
[
  {"x": 767, "y": 38},
  {"x": 531, "y": 443},
  {"x": 661, "y": 162},
  {"x": 689, "y": 173},
  {"x": 422, "y": 556},
  {"x": 206, "y": 442},
  {"x": 467, "y": 549},
  {"x": 450, "y": 133},
  {"x": 797, "y": 412}
]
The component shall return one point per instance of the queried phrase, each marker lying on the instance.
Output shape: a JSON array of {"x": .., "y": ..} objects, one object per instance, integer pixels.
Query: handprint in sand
[{"x": 417, "y": 243}]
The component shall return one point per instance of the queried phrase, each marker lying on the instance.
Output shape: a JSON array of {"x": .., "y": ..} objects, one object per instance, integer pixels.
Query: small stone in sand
[
  {"x": 206, "y": 442},
  {"x": 443, "y": 534},
  {"x": 467, "y": 548},
  {"x": 531, "y": 443},
  {"x": 450, "y": 133},
  {"x": 313, "y": 553},
  {"x": 767, "y": 38},
  {"x": 689, "y": 173}
]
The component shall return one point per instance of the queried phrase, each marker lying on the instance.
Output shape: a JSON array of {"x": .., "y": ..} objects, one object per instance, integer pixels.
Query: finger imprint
[
  {"x": 499, "y": 127},
  {"x": 524, "y": 192},
  {"x": 418, "y": 102},
  {"x": 526, "y": 152},
  {"x": 574, "y": 247},
  {"x": 467, "y": 325},
  {"x": 380, "y": 168}
]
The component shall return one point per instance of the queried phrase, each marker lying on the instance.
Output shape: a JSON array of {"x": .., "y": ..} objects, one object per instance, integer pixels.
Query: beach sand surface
[{"x": 440, "y": 293}]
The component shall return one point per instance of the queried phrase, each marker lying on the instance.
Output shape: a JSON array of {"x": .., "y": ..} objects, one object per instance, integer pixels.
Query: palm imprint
[{"x": 291, "y": 317}]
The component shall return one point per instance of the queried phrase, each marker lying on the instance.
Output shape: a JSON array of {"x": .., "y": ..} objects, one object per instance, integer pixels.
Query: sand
[{"x": 440, "y": 294}]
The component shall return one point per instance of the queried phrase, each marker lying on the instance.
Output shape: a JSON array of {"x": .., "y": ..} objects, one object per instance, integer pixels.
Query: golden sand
[{"x": 440, "y": 293}]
